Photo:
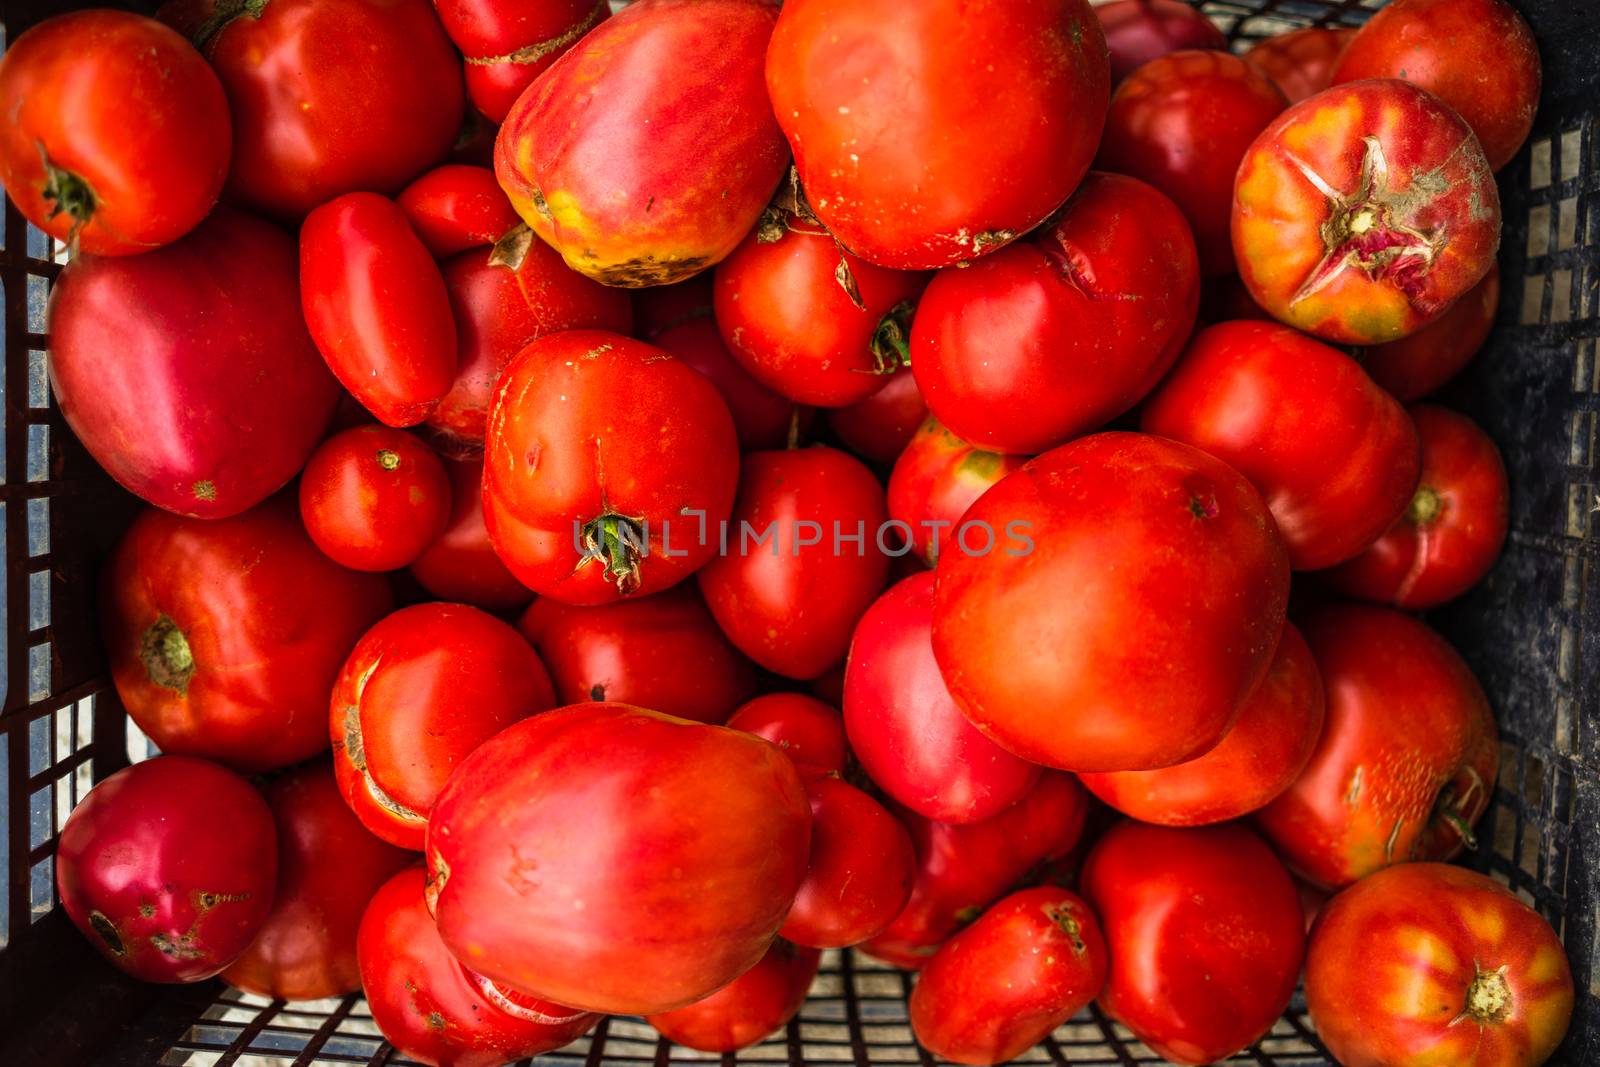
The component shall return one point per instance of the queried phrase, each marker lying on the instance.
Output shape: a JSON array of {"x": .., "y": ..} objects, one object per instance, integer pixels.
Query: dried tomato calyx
[
  {"x": 1488, "y": 997},
  {"x": 618, "y": 542}
]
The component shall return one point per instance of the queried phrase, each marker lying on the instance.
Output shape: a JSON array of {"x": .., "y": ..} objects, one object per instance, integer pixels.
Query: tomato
[
  {"x": 456, "y": 207},
  {"x": 1425, "y": 963},
  {"x": 859, "y": 875},
  {"x": 649, "y": 152},
  {"x": 908, "y": 733},
  {"x": 663, "y": 652},
  {"x": 1363, "y": 213},
  {"x": 753, "y": 1005},
  {"x": 1408, "y": 753},
  {"x": 329, "y": 867},
  {"x": 877, "y": 428},
  {"x": 810, "y": 732},
  {"x": 617, "y": 859},
  {"x": 1138, "y": 31},
  {"x": 1000, "y": 986},
  {"x": 1479, "y": 57},
  {"x": 432, "y": 1009},
  {"x": 1058, "y": 335},
  {"x": 1301, "y": 62},
  {"x": 224, "y": 637},
  {"x": 916, "y": 146},
  {"x": 1259, "y": 758},
  {"x": 802, "y": 560},
  {"x": 81, "y": 165},
  {"x": 461, "y": 564},
  {"x": 327, "y": 96},
  {"x": 1205, "y": 934},
  {"x": 377, "y": 307},
  {"x": 1224, "y": 299},
  {"x": 374, "y": 498},
  {"x": 1336, "y": 457},
  {"x": 168, "y": 868},
  {"x": 607, "y": 462},
  {"x": 1131, "y": 600},
  {"x": 187, "y": 372},
  {"x": 1412, "y": 367},
  {"x": 762, "y": 418},
  {"x": 509, "y": 44},
  {"x": 934, "y": 482}
]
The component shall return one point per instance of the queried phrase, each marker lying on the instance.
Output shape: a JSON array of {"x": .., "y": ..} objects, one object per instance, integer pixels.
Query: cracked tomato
[{"x": 509, "y": 43}]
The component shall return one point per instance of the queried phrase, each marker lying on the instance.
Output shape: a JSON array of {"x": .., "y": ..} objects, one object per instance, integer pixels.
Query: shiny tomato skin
[
  {"x": 116, "y": 180},
  {"x": 1425, "y": 964},
  {"x": 810, "y": 732},
  {"x": 1408, "y": 753},
  {"x": 762, "y": 418},
  {"x": 859, "y": 875},
  {"x": 1054, "y": 337},
  {"x": 999, "y": 987},
  {"x": 936, "y": 479},
  {"x": 508, "y": 45},
  {"x": 752, "y": 1006},
  {"x": 224, "y": 637},
  {"x": 455, "y": 207},
  {"x": 1412, "y": 367},
  {"x": 789, "y": 606},
  {"x": 978, "y": 155},
  {"x": 1301, "y": 62},
  {"x": 1336, "y": 457},
  {"x": 461, "y": 565},
  {"x": 168, "y": 868},
  {"x": 1035, "y": 645},
  {"x": 374, "y": 498},
  {"x": 1205, "y": 932},
  {"x": 1138, "y": 31},
  {"x": 876, "y": 429}
]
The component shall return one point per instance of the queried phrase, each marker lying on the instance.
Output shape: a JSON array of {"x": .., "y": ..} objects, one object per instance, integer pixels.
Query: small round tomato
[
  {"x": 935, "y": 480},
  {"x": 82, "y": 165},
  {"x": 1412, "y": 367},
  {"x": 762, "y": 418},
  {"x": 752, "y": 1006},
  {"x": 860, "y": 871},
  {"x": 809, "y": 731},
  {"x": 1425, "y": 963},
  {"x": 461, "y": 565},
  {"x": 1205, "y": 933},
  {"x": 374, "y": 498},
  {"x": 1301, "y": 62},
  {"x": 1138, "y": 31},
  {"x": 456, "y": 207},
  {"x": 1000, "y": 986},
  {"x": 877, "y": 428},
  {"x": 1364, "y": 212}
]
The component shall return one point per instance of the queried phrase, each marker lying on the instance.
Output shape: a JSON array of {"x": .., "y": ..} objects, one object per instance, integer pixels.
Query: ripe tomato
[
  {"x": 1138, "y": 31},
  {"x": 1408, "y": 753},
  {"x": 762, "y": 418},
  {"x": 456, "y": 207},
  {"x": 1336, "y": 232},
  {"x": 1336, "y": 457},
  {"x": 859, "y": 875},
  {"x": 168, "y": 868},
  {"x": 753, "y": 1005},
  {"x": 918, "y": 148},
  {"x": 461, "y": 564},
  {"x": 508, "y": 44},
  {"x": 1412, "y": 367},
  {"x": 1205, "y": 933},
  {"x": 810, "y": 732},
  {"x": 86, "y": 169},
  {"x": 374, "y": 498},
  {"x": 1134, "y": 605},
  {"x": 224, "y": 637},
  {"x": 1425, "y": 963},
  {"x": 934, "y": 482},
  {"x": 1301, "y": 62},
  {"x": 877, "y": 428},
  {"x": 1058, "y": 335}
]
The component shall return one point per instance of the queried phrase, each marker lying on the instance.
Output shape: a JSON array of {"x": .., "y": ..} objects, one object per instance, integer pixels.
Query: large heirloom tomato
[
  {"x": 860, "y": 871},
  {"x": 456, "y": 207},
  {"x": 509, "y": 43},
  {"x": 750, "y": 1007},
  {"x": 1134, "y": 605},
  {"x": 1412, "y": 367},
  {"x": 1138, "y": 31},
  {"x": 1301, "y": 62},
  {"x": 374, "y": 498},
  {"x": 461, "y": 564},
  {"x": 925, "y": 136},
  {"x": 225, "y": 637},
  {"x": 935, "y": 480}
]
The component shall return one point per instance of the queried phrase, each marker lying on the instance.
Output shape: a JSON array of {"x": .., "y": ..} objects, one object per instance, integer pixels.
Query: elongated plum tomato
[
  {"x": 529, "y": 39},
  {"x": 374, "y": 498},
  {"x": 934, "y": 482},
  {"x": 168, "y": 868},
  {"x": 432, "y": 1009},
  {"x": 859, "y": 875},
  {"x": 456, "y": 207},
  {"x": 1259, "y": 758},
  {"x": 1140, "y": 610},
  {"x": 634, "y": 816},
  {"x": 188, "y": 373},
  {"x": 1412, "y": 367},
  {"x": 1301, "y": 62},
  {"x": 420, "y": 691},
  {"x": 648, "y": 152},
  {"x": 1336, "y": 457},
  {"x": 117, "y": 182},
  {"x": 1407, "y": 759},
  {"x": 1496, "y": 989},
  {"x": 908, "y": 733},
  {"x": 607, "y": 464},
  {"x": 753, "y": 1005},
  {"x": 977, "y": 155},
  {"x": 999, "y": 987},
  {"x": 224, "y": 637},
  {"x": 663, "y": 652},
  {"x": 1138, "y": 31},
  {"x": 1363, "y": 213},
  {"x": 810, "y": 732},
  {"x": 1058, "y": 335},
  {"x": 461, "y": 564},
  {"x": 762, "y": 418},
  {"x": 876, "y": 429}
]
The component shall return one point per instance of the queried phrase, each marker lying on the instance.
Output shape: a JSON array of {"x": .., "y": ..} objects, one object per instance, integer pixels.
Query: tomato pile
[{"x": 731, "y": 481}]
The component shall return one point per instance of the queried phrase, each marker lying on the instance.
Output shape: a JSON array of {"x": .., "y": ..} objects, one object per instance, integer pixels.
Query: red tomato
[
  {"x": 188, "y": 373},
  {"x": 789, "y": 587},
  {"x": 917, "y": 147},
  {"x": 1134, "y": 603},
  {"x": 877, "y": 428},
  {"x": 762, "y": 418},
  {"x": 461, "y": 565},
  {"x": 1205, "y": 934},
  {"x": 661, "y": 307},
  {"x": 810, "y": 732},
  {"x": 1000, "y": 986},
  {"x": 1056, "y": 336},
  {"x": 1425, "y": 963},
  {"x": 328, "y": 869},
  {"x": 589, "y": 499},
  {"x": 1408, "y": 754},
  {"x": 509, "y": 44},
  {"x": 1334, "y": 230},
  {"x": 87, "y": 169},
  {"x": 224, "y": 637},
  {"x": 935, "y": 480},
  {"x": 1336, "y": 457},
  {"x": 1301, "y": 62},
  {"x": 456, "y": 207},
  {"x": 753, "y": 1005},
  {"x": 374, "y": 498},
  {"x": 663, "y": 652},
  {"x": 1412, "y": 367},
  {"x": 616, "y": 859},
  {"x": 168, "y": 868},
  {"x": 1138, "y": 31},
  {"x": 859, "y": 875},
  {"x": 432, "y": 1009},
  {"x": 1225, "y": 299}
]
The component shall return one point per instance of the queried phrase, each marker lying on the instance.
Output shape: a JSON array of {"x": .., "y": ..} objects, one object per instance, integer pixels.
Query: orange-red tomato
[
  {"x": 750, "y": 1007},
  {"x": 1415, "y": 366},
  {"x": 935, "y": 480},
  {"x": 374, "y": 498},
  {"x": 859, "y": 875}
]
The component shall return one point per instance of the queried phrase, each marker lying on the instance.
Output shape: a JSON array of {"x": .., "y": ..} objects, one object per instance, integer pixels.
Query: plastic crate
[{"x": 1532, "y": 631}]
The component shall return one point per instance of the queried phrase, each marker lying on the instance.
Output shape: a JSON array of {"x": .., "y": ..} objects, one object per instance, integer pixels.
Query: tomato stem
[
  {"x": 1425, "y": 507},
  {"x": 70, "y": 193},
  {"x": 616, "y": 541},
  {"x": 891, "y": 348},
  {"x": 168, "y": 660}
]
